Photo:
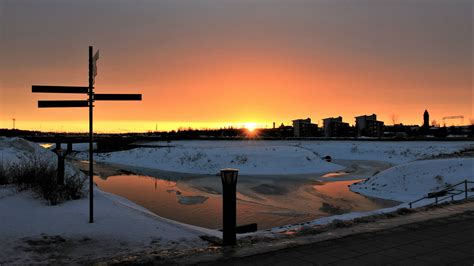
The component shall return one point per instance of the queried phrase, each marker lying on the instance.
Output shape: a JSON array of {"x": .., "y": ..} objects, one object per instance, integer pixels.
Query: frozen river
[{"x": 269, "y": 201}]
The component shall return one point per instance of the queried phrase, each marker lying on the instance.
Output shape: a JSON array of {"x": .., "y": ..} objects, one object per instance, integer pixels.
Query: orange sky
[{"x": 210, "y": 63}]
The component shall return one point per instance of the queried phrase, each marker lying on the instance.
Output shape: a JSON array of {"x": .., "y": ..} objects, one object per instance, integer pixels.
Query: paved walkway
[
  {"x": 442, "y": 235},
  {"x": 443, "y": 241}
]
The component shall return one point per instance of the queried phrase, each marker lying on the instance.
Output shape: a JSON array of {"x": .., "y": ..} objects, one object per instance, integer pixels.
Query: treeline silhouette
[{"x": 282, "y": 132}]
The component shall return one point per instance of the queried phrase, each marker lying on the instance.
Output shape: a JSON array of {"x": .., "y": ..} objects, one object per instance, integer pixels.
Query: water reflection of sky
[
  {"x": 46, "y": 145},
  {"x": 199, "y": 206},
  {"x": 334, "y": 174}
]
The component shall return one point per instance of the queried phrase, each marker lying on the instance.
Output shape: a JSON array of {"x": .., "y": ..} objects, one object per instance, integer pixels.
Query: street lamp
[{"x": 229, "y": 223}]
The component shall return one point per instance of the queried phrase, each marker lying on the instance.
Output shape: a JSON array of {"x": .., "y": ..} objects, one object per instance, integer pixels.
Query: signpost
[{"x": 92, "y": 97}]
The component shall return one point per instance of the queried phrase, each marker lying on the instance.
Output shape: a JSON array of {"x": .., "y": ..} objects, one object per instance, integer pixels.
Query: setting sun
[{"x": 251, "y": 126}]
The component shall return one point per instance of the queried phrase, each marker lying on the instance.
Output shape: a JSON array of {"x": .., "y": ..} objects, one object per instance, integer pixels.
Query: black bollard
[{"x": 229, "y": 208}]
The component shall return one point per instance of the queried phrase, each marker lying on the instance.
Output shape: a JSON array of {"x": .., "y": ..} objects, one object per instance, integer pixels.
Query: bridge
[{"x": 104, "y": 143}]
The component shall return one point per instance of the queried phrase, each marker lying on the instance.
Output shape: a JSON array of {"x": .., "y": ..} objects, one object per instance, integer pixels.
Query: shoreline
[
  {"x": 277, "y": 200},
  {"x": 351, "y": 168}
]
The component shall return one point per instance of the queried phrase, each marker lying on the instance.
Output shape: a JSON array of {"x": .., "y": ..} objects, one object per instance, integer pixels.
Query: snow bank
[
  {"x": 272, "y": 157},
  {"x": 251, "y": 158},
  {"x": 119, "y": 224},
  {"x": 17, "y": 150},
  {"x": 115, "y": 218},
  {"x": 327, "y": 220},
  {"x": 411, "y": 181},
  {"x": 395, "y": 152}
]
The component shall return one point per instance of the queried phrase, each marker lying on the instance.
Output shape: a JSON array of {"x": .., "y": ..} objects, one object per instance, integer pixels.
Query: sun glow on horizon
[
  {"x": 128, "y": 126},
  {"x": 250, "y": 126}
]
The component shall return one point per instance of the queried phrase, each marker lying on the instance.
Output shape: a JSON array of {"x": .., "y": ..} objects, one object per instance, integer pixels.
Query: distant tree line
[{"x": 283, "y": 132}]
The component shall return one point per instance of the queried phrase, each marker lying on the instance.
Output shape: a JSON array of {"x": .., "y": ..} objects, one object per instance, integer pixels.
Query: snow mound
[
  {"x": 120, "y": 226},
  {"x": 250, "y": 159},
  {"x": 273, "y": 157},
  {"x": 395, "y": 152},
  {"x": 17, "y": 150},
  {"x": 14, "y": 151},
  {"x": 411, "y": 181}
]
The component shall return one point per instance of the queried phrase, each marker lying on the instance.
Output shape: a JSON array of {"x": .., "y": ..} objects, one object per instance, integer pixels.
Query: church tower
[{"x": 426, "y": 119}]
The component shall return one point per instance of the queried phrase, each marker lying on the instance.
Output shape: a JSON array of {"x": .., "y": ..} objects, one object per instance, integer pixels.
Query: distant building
[
  {"x": 426, "y": 119},
  {"x": 334, "y": 127},
  {"x": 285, "y": 131},
  {"x": 401, "y": 131},
  {"x": 425, "y": 128},
  {"x": 461, "y": 131},
  {"x": 367, "y": 125},
  {"x": 304, "y": 128}
]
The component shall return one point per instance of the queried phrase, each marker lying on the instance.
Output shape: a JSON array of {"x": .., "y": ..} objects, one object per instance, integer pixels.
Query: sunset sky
[{"x": 212, "y": 63}]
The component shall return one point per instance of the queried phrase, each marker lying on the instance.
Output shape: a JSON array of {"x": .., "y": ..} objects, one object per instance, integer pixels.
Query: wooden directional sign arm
[
  {"x": 58, "y": 89},
  {"x": 117, "y": 97},
  {"x": 60, "y": 104}
]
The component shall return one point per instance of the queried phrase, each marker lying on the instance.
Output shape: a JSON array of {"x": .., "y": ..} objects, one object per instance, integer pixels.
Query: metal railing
[{"x": 447, "y": 193}]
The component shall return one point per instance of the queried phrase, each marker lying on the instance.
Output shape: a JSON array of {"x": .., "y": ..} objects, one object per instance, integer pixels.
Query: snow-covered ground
[
  {"x": 119, "y": 226},
  {"x": 411, "y": 181},
  {"x": 32, "y": 231},
  {"x": 394, "y": 152},
  {"x": 251, "y": 158},
  {"x": 17, "y": 150},
  {"x": 272, "y": 157}
]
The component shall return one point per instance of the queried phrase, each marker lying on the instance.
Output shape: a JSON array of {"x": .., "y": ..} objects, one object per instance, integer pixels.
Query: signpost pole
[
  {"x": 84, "y": 103},
  {"x": 91, "y": 139}
]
